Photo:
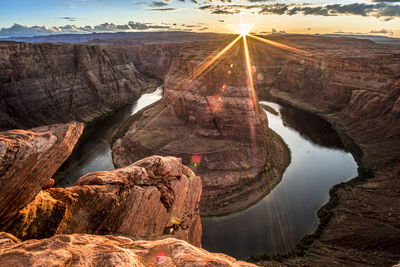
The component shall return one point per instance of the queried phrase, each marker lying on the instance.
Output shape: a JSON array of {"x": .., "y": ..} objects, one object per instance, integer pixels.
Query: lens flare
[
  {"x": 195, "y": 162},
  {"x": 244, "y": 29},
  {"x": 249, "y": 73},
  {"x": 286, "y": 47},
  {"x": 160, "y": 257},
  {"x": 215, "y": 58}
]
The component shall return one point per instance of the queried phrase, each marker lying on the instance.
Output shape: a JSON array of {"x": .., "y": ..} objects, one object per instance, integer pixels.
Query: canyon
[
  {"x": 354, "y": 84},
  {"x": 43, "y": 84},
  {"x": 213, "y": 124}
]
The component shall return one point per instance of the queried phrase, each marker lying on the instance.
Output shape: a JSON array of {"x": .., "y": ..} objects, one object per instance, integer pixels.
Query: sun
[{"x": 244, "y": 29}]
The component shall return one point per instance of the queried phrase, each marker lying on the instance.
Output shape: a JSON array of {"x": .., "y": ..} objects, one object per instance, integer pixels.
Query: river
[
  {"x": 93, "y": 151},
  {"x": 278, "y": 221},
  {"x": 289, "y": 212}
]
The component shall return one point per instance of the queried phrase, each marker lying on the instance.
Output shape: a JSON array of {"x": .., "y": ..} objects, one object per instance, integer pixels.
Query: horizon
[{"x": 347, "y": 17}]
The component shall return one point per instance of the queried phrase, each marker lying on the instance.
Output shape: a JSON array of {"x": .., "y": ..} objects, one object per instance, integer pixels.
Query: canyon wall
[
  {"x": 215, "y": 126},
  {"x": 355, "y": 85},
  {"x": 155, "y": 60},
  {"x": 56, "y": 83}
]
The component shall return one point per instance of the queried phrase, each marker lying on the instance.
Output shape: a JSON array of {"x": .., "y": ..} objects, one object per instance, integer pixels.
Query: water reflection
[
  {"x": 285, "y": 215},
  {"x": 93, "y": 152},
  {"x": 310, "y": 127}
]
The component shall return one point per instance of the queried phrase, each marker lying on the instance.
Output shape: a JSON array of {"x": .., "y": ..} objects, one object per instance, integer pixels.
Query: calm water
[
  {"x": 93, "y": 152},
  {"x": 277, "y": 222}
]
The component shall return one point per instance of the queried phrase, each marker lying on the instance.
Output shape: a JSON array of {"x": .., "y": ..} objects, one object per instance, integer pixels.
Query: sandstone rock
[
  {"x": 214, "y": 125},
  {"x": 56, "y": 83},
  {"x": 154, "y": 59},
  {"x": 92, "y": 250},
  {"x": 27, "y": 161},
  {"x": 354, "y": 84},
  {"x": 152, "y": 198}
]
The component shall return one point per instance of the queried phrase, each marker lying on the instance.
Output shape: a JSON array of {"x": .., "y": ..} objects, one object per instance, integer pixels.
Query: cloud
[
  {"x": 156, "y": 3},
  {"x": 152, "y": 3},
  {"x": 385, "y": 11},
  {"x": 382, "y": 31},
  {"x": 387, "y": 1},
  {"x": 18, "y": 30},
  {"x": 191, "y": 1},
  {"x": 67, "y": 18},
  {"x": 167, "y": 9}
]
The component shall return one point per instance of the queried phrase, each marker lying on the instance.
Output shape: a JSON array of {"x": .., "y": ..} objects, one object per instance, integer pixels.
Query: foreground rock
[
  {"x": 28, "y": 159},
  {"x": 152, "y": 198},
  {"x": 214, "y": 125},
  {"x": 92, "y": 250},
  {"x": 42, "y": 84}
]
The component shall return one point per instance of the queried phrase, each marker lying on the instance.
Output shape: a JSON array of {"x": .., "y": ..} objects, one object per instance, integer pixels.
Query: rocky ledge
[
  {"x": 214, "y": 125},
  {"x": 28, "y": 159},
  {"x": 155, "y": 197},
  {"x": 92, "y": 250}
]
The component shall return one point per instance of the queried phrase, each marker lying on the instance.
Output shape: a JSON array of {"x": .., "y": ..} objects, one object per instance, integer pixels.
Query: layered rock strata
[
  {"x": 56, "y": 83},
  {"x": 354, "y": 84},
  {"x": 214, "y": 125},
  {"x": 28, "y": 159},
  {"x": 92, "y": 250},
  {"x": 153, "y": 198}
]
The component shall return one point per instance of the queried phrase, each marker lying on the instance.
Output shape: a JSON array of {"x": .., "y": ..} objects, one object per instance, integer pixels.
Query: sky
[{"x": 38, "y": 17}]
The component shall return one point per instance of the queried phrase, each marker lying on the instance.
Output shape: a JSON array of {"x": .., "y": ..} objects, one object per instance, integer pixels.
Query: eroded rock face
[
  {"x": 28, "y": 159},
  {"x": 214, "y": 125},
  {"x": 354, "y": 84},
  {"x": 153, "y": 198},
  {"x": 43, "y": 83},
  {"x": 154, "y": 60},
  {"x": 92, "y": 250}
]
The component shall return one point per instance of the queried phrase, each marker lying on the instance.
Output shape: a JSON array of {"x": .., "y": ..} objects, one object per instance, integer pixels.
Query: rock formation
[
  {"x": 354, "y": 84},
  {"x": 213, "y": 124},
  {"x": 153, "y": 198},
  {"x": 43, "y": 83},
  {"x": 92, "y": 250},
  {"x": 154, "y": 60},
  {"x": 28, "y": 159}
]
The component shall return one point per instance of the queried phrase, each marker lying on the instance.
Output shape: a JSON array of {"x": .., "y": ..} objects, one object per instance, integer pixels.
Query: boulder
[{"x": 28, "y": 160}]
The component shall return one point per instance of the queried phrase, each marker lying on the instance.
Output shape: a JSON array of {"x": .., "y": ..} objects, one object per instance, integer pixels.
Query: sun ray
[
  {"x": 201, "y": 71},
  {"x": 215, "y": 58},
  {"x": 282, "y": 46},
  {"x": 249, "y": 68}
]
